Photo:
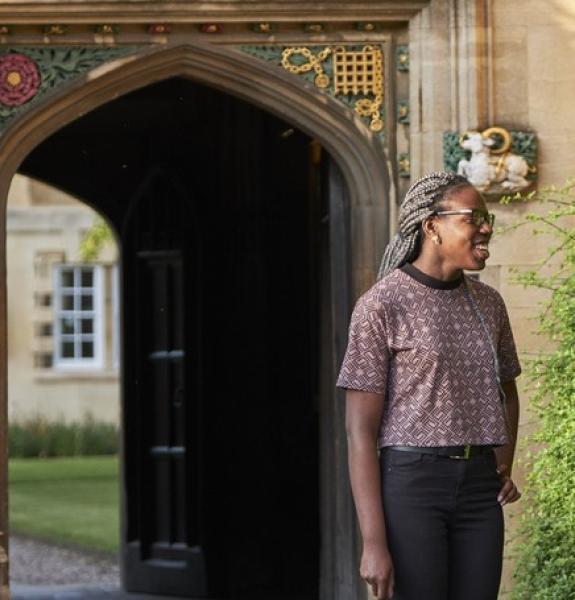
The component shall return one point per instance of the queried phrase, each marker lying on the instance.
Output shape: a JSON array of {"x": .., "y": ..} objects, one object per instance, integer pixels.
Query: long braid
[{"x": 422, "y": 198}]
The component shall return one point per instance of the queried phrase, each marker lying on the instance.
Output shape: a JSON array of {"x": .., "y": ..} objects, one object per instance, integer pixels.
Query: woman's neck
[{"x": 437, "y": 269}]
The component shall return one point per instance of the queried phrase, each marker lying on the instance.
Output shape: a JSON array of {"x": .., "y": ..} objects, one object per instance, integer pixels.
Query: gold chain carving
[
  {"x": 361, "y": 72},
  {"x": 313, "y": 62}
]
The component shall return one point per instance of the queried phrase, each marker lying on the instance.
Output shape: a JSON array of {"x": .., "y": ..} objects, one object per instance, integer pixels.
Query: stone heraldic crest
[
  {"x": 352, "y": 74},
  {"x": 496, "y": 161},
  {"x": 19, "y": 79},
  {"x": 30, "y": 72}
]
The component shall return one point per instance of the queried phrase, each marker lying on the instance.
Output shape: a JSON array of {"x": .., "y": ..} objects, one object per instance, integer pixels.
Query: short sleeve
[
  {"x": 507, "y": 353},
  {"x": 365, "y": 364}
]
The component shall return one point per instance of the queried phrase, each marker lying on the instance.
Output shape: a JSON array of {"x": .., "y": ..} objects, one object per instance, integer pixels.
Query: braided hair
[{"x": 421, "y": 200}]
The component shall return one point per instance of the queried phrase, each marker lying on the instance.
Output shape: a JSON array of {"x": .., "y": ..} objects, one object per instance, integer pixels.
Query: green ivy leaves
[{"x": 545, "y": 569}]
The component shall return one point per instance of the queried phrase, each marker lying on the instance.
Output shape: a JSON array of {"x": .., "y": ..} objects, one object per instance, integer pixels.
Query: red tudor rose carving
[{"x": 19, "y": 79}]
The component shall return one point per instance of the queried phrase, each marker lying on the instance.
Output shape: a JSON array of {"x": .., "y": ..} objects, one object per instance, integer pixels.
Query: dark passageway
[{"x": 220, "y": 218}]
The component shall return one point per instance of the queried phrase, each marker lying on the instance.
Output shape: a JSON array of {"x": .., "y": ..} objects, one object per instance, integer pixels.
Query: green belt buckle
[{"x": 466, "y": 453}]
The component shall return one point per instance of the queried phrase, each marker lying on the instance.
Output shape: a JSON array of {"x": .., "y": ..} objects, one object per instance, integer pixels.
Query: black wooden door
[
  {"x": 162, "y": 553},
  {"x": 220, "y": 401}
]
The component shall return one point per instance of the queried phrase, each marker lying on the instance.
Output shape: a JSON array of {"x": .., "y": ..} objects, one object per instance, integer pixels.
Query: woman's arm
[
  {"x": 509, "y": 492},
  {"x": 363, "y": 418}
]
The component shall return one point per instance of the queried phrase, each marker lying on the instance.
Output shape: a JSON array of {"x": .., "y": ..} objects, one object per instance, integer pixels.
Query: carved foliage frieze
[
  {"x": 403, "y": 112},
  {"x": 402, "y": 58},
  {"x": 29, "y": 73}
]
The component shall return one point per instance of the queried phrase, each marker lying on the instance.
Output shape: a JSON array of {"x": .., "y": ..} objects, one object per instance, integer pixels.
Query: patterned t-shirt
[{"x": 420, "y": 342}]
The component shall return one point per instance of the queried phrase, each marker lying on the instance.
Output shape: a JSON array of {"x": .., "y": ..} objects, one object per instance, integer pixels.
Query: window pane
[
  {"x": 87, "y": 302},
  {"x": 87, "y": 326},
  {"x": 67, "y": 325},
  {"x": 87, "y": 278},
  {"x": 67, "y": 302},
  {"x": 87, "y": 349},
  {"x": 67, "y": 278},
  {"x": 78, "y": 296},
  {"x": 68, "y": 350}
]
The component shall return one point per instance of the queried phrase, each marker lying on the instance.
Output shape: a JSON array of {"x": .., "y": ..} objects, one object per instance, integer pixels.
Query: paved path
[
  {"x": 39, "y": 563},
  {"x": 41, "y": 571},
  {"x": 73, "y": 592}
]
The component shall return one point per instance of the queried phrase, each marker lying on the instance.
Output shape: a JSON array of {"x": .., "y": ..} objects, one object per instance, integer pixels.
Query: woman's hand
[
  {"x": 377, "y": 570},
  {"x": 509, "y": 492},
  {"x": 363, "y": 418}
]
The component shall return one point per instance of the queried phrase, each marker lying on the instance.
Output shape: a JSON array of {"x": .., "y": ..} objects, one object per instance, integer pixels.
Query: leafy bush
[
  {"x": 97, "y": 236},
  {"x": 40, "y": 438},
  {"x": 545, "y": 569}
]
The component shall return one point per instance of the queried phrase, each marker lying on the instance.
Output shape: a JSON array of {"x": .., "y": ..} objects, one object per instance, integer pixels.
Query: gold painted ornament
[
  {"x": 322, "y": 81},
  {"x": 314, "y": 28},
  {"x": 356, "y": 72},
  {"x": 313, "y": 63},
  {"x": 14, "y": 79},
  {"x": 361, "y": 72},
  {"x": 55, "y": 29}
]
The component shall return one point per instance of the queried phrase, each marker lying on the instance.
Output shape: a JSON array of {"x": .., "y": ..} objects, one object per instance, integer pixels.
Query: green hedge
[
  {"x": 39, "y": 438},
  {"x": 545, "y": 569}
]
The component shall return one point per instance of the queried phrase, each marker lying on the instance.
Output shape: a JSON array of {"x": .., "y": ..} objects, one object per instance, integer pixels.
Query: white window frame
[
  {"x": 116, "y": 316},
  {"x": 97, "y": 313}
]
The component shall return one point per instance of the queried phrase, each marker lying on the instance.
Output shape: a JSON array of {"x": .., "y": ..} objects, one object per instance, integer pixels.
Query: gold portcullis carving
[{"x": 361, "y": 72}]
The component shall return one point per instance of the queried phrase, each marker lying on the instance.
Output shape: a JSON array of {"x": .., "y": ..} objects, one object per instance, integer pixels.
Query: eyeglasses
[{"x": 478, "y": 217}]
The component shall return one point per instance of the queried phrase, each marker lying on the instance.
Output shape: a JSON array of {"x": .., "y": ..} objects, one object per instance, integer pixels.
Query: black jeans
[{"x": 444, "y": 525}]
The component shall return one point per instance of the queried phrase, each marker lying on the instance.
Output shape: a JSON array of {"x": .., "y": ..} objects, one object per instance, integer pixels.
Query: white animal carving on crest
[{"x": 489, "y": 168}]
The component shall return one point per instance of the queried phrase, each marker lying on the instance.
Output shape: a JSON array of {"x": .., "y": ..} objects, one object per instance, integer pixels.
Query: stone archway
[
  {"x": 348, "y": 140},
  {"x": 356, "y": 151}
]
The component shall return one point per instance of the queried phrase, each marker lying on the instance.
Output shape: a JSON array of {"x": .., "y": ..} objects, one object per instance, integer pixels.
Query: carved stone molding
[{"x": 42, "y": 11}]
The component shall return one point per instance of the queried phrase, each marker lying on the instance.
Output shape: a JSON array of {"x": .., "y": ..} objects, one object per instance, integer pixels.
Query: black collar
[{"x": 429, "y": 281}]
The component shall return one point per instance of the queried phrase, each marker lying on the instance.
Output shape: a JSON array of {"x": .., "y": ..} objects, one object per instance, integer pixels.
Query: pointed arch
[{"x": 356, "y": 150}]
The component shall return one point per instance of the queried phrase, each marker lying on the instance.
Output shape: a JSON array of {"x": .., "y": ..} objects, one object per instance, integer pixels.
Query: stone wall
[
  {"x": 533, "y": 89},
  {"x": 44, "y": 222},
  {"x": 499, "y": 63}
]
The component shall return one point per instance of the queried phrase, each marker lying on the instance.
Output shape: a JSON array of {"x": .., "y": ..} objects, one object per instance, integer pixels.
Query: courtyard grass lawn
[{"x": 73, "y": 501}]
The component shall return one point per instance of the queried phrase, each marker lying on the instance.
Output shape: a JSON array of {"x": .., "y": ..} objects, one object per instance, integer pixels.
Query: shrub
[
  {"x": 545, "y": 569},
  {"x": 38, "y": 437},
  {"x": 97, "y": 236}
]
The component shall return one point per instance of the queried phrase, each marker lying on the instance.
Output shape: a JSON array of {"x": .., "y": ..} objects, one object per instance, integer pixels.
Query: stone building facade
[
  {"x": 374, "y": 85},
  {"x": 63, "y": 360}
]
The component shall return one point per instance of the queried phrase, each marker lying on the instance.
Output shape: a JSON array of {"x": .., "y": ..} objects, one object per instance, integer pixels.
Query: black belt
[{"x": 458, "y": 452}]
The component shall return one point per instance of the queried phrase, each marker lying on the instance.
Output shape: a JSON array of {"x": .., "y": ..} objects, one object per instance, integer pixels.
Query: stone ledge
[{"x": 34, "y": 11}]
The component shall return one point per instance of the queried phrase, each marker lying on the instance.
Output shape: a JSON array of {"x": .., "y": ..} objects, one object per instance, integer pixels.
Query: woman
[{"x": 430, "y": 374}]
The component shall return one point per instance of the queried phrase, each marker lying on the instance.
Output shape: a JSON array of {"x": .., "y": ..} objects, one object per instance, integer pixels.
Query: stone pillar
[
  {"x": 4, "y": 591},
  {"x": 450, "y": 77}
]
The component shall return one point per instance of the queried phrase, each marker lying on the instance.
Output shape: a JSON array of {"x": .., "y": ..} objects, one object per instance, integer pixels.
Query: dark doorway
[{"x": 222, "y": 223}]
